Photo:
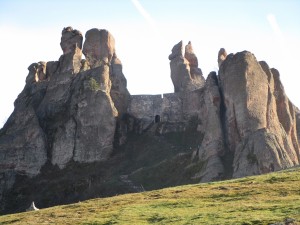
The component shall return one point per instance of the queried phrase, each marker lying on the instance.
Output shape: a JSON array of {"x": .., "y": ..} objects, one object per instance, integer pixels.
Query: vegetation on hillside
[{"x": 266, "y": 199}]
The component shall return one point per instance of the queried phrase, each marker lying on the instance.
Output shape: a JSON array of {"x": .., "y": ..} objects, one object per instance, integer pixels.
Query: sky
[{"x": 145, "y": 32}]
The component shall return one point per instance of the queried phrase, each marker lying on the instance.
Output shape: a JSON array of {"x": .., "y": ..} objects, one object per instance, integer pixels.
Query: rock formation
[
  {"x": 76, "y": 132},
  {"x": 297, "y": 112},
  {"x": 260, "y": 120},
  {"x": 221, "y": 56},
  {"x": 63, "y": 114},
  {"x": 99, "y": 47},
  {"x": 71, "y": 44},
  {"x": 185, "y": 74},
  {"x": 212, "y": 146}
]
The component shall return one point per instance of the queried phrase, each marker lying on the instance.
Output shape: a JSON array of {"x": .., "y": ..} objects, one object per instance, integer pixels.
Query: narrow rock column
[
  {"x": 99, "y": 47},
  {"x": 71, "y": 44},
  {"x": 185, "y": 74},
  {"x": 221, "y": 56}
]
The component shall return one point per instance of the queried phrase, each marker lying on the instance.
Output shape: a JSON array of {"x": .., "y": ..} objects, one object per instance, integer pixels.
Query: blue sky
[{"x": 145, "y": 32}]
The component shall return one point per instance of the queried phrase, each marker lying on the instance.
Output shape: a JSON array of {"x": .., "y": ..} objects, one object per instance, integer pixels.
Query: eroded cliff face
[
  {"x": 257, "y": 121},
  {"x": 65, "y": 112},
  {"x": 297, "y": 114},
  {"x": 77, "y": 133},
  {"x": 260, "y": 119}
]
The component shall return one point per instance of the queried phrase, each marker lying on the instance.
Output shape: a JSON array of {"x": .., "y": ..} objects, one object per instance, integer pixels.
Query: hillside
[{"x": 273, "y": 198}]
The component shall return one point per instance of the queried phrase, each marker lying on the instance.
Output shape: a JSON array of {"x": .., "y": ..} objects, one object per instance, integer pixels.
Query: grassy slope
[{"x": 251, "y": 200}]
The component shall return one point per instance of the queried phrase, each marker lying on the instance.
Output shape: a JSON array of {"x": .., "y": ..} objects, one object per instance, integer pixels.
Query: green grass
[
  {"x": 262, "y": 199},
  {"x": 94, "y": 85}
]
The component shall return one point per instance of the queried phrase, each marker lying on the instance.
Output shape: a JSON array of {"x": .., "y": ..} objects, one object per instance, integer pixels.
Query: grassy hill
[{"x": 268, "y": 199}]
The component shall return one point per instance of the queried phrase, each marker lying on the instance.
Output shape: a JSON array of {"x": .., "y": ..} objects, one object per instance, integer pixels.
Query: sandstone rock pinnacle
[
  {"x": 37, "y": 72},
  {"x": 185, "y": 74},
  {"x": 260, "y": 120},
  {"x": 60, "y": 118},
  {"x": 70, "y": 40},
  {"x": 190, "y": 55},
  {"x": 71, "y": 44},
  {"x": 221, "y": 56},
  {"x": 99, "y": 47},
  {"x": 177, "y": 51}
]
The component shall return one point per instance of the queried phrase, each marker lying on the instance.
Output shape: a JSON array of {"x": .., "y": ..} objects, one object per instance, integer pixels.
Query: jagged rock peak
[
  {"x": 185, "y": 74},
  {"x": 74, "y": 105},
  {"x": 37, "y": 72},
  {"x": 190, "y": 55},
  {"x": 70, "y": 40},
  {"x": 177, "y": 50},
  {"x": 99, "y": 47},
  {"x": 221, "y": 56}
]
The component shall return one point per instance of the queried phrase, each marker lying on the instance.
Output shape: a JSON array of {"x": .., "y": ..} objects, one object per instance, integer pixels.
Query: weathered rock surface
[
  {"x": 99, "y": 47},
  {"x": 221, "y": 56},
  {"x": 37, "y": 72},
  {"x": 118, "y": 92},
  {"x": 185, "y": 74},
  {"x": 71, "y": 44},
  {"x": 259, "y": 119},
  {"x": 64, "y": 115},
  {"x": 297, "y": 112},
  {"x": 212, "y": 146}
]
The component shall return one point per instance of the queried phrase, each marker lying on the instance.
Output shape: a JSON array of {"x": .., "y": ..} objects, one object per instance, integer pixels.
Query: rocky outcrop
[
  {"x": 99, "y": 47},
  {"x": 71, "y": 44},
  {"x": 118, "y": 91},
  {"x": 65, "y": 115},
  {"x": 212, "y": 146},
  {"x": 76, "y": 128},
  {"x": 259, "y": 119},
  {"x": 99, "y": 50},
  {"x": 185, "y": 74},
  {"x": 297, "y": 112},
  {"x": 250, "y": 123},
  {"x": 221, "y": 56}
]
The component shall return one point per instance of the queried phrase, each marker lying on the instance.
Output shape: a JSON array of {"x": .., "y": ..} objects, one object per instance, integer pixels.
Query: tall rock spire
[
  {"x": 71, "y": 44},
  {"x": 185, "y": 74}
]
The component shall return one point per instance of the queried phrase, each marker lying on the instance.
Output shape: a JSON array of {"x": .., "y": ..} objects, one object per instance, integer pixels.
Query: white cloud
[
  {"x": 144, "y": 13},
  {"x": 274, "y": 25}
]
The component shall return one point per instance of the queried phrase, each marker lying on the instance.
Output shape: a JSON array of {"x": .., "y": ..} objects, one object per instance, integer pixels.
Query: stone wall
[{"x": 169, "y": 107}]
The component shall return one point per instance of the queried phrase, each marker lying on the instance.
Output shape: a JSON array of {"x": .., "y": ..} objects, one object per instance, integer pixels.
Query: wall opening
[{"x": 157, "y": 119}]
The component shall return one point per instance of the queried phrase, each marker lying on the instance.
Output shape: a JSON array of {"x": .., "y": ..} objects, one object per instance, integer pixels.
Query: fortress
[
  {"x": 171, "y": 107},
  {"x": 182, "y": 105}
]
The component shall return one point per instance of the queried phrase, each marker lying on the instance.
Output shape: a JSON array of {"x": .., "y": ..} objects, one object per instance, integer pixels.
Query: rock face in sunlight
[
  {"x": 185, "y": 74},
  {"x": 99, "y": 47},
  {"x": 77, "y": 133},
  {"x": 260, "y": 120},
  {"x": 297, "y": 111}
]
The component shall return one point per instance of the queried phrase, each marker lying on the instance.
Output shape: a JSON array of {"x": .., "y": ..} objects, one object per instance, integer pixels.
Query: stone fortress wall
[
  {"x": 188, "y": 97},
  {"x": 168, "y": 107}
]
